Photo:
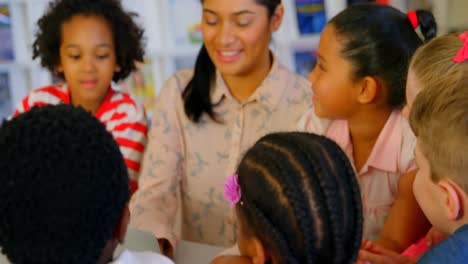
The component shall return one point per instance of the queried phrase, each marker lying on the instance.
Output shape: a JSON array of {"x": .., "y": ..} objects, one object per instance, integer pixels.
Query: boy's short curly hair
[
  {"x": 128, "y": 36},
  {"x": 64, "y": 186}
]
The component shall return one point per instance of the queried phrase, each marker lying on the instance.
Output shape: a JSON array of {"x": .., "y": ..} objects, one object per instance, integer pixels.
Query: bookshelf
[{"x": 173, "y": 39}]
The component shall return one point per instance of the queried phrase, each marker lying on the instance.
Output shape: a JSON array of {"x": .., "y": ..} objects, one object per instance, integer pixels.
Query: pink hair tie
[
  {"x": 413, "y": 18},
  {"x": 462, "y": 55},
  {"x": 232, "y": 191}
]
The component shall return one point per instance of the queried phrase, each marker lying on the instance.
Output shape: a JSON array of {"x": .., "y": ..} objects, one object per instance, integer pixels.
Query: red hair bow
[
  {"x": 462, "y": 55},
  {"x": 413, "y": 18}
]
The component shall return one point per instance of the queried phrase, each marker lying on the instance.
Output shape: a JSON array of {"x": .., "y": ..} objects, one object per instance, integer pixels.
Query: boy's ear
[
  {"x": 121, "y": 229},
  {"x": 453, "y": 199},
  {"x": 259, "y": 254},
  {"x": 368, "y": 89},
  {"x": 117, "y": 68}
]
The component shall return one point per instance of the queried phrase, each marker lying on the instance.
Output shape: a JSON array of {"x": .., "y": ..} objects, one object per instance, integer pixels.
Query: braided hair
[{"x": 301, "y": 199}]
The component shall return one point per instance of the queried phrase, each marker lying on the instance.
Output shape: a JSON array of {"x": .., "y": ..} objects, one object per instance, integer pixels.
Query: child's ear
[
  {"x": 121, "y": 229},
  {"x": 368, "y": 88},
  {"x": 259, "y": 255},
  {"x": 453, "y": 201},
  {"x": 117, "y": 68}
]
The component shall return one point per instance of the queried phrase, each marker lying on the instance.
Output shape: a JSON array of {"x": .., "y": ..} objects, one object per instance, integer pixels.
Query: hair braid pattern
[{"x": 301, "y": 199}]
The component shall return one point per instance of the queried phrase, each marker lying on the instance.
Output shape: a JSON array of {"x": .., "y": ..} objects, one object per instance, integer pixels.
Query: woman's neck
[{"x": 243, "y": 86}]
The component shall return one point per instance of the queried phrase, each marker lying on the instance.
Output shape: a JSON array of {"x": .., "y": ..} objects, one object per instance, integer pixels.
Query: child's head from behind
[
  {"x": 439, "y": 118},
  {"x": 65, "y": 188},
  {"x": 432, "y": 66},
  {"x": 300, "y": 202},
  {"x": 363, "y": 56},
  {"x": 88, "y": 43}
]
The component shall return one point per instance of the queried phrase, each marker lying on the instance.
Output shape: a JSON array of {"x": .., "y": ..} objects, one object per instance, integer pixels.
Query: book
[
  {"x": 141, "y": 85},
  {"x": 311, "y": 18},
  {"x": 6, "y": 106},
  {"x": 304, "y": 61},
  {"x": 6, "y": 34}
]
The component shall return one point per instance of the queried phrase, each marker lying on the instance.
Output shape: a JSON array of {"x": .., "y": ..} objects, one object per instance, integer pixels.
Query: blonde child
[
  {"x": 88, "y": 44},
  {"x": 438, "y": 80},
  {"x": 359, "y": 90},
  {"x": 308, "y": 209}
]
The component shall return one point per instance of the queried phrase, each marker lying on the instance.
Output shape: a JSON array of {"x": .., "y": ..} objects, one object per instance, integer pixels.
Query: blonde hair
[{"x": 439, "y": 115}]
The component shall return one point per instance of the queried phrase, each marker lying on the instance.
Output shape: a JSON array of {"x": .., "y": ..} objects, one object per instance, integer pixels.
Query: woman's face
[{"x": 237, "y": 34}]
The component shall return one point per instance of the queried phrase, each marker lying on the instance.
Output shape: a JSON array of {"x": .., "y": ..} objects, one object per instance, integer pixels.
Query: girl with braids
[
  {"x": 359, "y": 90},
  {"x": 206, "y": 118},
  {"x": 308, "y": 209}
]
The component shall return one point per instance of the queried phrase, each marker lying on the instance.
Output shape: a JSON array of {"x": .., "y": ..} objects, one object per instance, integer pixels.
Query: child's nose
[{"x": 88, "y": 64}]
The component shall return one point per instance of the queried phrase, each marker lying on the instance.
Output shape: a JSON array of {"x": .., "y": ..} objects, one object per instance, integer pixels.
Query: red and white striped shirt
[{"x": 122, "y": 116}]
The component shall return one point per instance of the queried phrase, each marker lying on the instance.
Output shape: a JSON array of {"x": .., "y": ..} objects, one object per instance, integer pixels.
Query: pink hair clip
[
  {"x": 232, "y": 191},
  {"x": 462, "y": 55},
  {"x": 413, "y": 18}
]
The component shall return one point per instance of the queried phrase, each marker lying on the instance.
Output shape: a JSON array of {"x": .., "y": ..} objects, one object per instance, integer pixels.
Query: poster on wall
[
  {"x": 6, "y": 34},
  {"x": 141, "y": 85},
  {"x": 304, "y": 61},
  {"x": 6, "y": 107},
  {"x": 311, "y": 18},
  {"x": 187, "y": 27}
]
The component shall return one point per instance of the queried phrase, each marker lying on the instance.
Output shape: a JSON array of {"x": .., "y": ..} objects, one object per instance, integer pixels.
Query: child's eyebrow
[{"x": 103, "y": 45}]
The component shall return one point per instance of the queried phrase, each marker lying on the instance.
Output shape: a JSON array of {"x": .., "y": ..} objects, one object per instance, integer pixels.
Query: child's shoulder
[{"x": 51, "y": 94}]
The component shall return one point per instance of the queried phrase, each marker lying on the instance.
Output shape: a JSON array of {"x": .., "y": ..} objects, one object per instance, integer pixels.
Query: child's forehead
[{"x": 83, "y": 30}]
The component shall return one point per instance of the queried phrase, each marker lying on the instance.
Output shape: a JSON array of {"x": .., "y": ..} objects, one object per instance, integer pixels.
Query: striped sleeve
[
  {"x": 127, "y": 122},
  {"x": 50, "y": 95}
]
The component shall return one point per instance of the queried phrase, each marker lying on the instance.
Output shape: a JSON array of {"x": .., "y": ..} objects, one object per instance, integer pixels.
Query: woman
[{"x": 206, "y": 118}]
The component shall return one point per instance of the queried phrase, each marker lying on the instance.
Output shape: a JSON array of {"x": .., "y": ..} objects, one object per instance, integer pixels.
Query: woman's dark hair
[
  {"x": 301, "y": 199},
  {"x": 379, "y": 41},
  {"x": 128, "y": 36},
  {"x": 196, "y": 94}
]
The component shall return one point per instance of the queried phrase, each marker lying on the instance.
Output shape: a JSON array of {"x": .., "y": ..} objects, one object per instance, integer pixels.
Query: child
[
  {"x": 358, "y": 87},
  {"x": 88, "y": 44},
  {"x": 65, "y": 193},
  {"x": 438, "y": 80},
  {"x": 308, "y": 209}
]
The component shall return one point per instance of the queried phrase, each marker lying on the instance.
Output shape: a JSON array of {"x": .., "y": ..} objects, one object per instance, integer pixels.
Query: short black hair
[
  {"x": 64, "y": 186},
  {"x": 128, "y": 36},
  {"x": 379, "y": 40},
  {"x": 301, "y": 199}
]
